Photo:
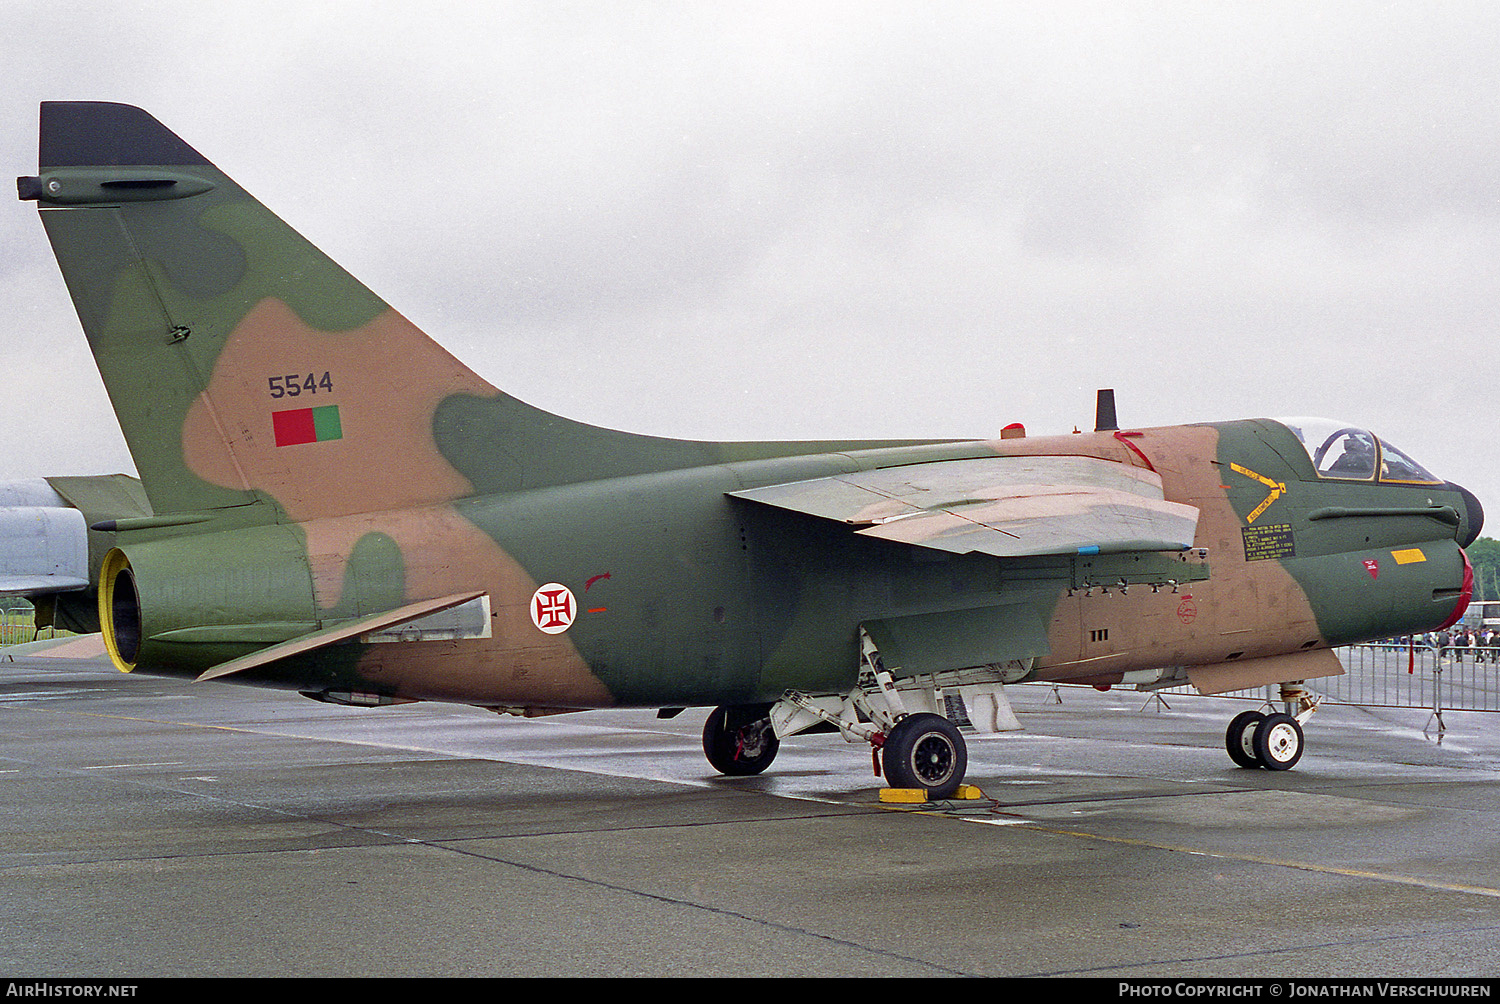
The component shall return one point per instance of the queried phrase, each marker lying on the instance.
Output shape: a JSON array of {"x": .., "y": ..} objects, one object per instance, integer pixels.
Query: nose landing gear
[{"x": 1273, "y": 741}]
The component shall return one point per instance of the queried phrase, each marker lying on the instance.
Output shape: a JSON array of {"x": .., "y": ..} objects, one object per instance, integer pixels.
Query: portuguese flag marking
[{"x": 307, "y": 425}]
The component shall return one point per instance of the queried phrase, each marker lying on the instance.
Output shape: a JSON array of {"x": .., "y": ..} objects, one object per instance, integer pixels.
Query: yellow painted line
[
  {"x": 1306, "y": 866},
  {"x": 1409, "y": 556}
]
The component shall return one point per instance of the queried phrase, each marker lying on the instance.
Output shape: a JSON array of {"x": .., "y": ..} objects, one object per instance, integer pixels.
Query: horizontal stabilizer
[
  {"x": 342, "y": 632},
  {"x": 103, "y": 496},
  {"x": 42, "y": 550},
  {"x": 1004, "y": 506},
  {"x": 37, "y": 585}
]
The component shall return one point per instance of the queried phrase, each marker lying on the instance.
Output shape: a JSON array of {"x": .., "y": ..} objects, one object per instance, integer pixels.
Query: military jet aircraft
[{"x": 334, "y": 505}]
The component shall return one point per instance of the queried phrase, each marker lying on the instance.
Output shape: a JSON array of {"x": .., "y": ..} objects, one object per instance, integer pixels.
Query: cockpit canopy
[{"x": 1349, "y": 453}]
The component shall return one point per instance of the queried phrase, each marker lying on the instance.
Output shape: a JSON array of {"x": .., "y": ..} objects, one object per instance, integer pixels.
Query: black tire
[
  {"x": 1278, "y": 742},
  {"x": 738, "y": 739},
  {"x": 925, "y": 751},
  {"x": 1239, "y": 738}
]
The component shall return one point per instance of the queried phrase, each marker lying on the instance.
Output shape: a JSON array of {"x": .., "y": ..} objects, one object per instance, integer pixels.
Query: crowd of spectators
[{"x": 1475, "y": 645}]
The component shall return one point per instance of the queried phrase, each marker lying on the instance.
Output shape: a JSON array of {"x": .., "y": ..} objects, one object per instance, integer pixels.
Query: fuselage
[{"x": 667, "y": 591}]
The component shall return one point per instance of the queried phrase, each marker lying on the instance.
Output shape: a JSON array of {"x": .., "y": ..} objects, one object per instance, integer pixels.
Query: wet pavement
[{"x": 158, "y": 828}]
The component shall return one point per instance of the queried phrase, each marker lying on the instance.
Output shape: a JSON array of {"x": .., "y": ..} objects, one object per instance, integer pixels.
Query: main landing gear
[
  {"x": 738, "y": 739},
  {"x": 915, "y": 746},
  {"x": 1273, "y": 741},
  {"x": 925, "y": 751}
]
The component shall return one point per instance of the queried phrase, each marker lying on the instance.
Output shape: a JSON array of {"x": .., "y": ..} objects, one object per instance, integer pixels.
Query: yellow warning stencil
[{"x": 1278, "y": 489}]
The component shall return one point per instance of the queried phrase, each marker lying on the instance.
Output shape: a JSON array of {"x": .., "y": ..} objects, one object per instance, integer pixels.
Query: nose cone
[{"x": 1473, "y": 516}]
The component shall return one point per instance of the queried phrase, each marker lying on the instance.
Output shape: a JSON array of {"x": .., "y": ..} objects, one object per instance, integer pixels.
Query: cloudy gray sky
[{"x": 818, "y": 220}]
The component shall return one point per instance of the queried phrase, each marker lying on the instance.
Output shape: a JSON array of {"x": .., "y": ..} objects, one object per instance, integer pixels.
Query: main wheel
[
  {"x": 1278, "y": 742},
  {"x": 925, "y": 751},
  {"x": 738, "y": 739},
  {"x": 1239, "y": 738}
]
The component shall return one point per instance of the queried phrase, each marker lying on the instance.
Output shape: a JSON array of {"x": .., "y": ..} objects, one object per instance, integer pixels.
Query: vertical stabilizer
[
  {"x": 246, "y": 366},
  {"x": 243, "y": 363}
]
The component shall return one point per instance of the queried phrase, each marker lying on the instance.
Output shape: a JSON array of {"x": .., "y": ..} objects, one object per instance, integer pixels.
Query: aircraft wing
[{"x": 1004, "y": 506}]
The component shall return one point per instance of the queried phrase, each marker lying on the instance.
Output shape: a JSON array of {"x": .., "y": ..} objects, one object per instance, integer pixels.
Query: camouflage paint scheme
[{"x": 418, "y": 480}]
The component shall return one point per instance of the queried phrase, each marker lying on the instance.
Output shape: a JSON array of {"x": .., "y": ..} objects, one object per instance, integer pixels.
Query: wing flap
[{"x": 1004, "y": 506}]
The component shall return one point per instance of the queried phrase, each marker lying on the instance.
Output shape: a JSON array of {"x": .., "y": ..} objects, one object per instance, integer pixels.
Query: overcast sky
[{"x": 804, "y": 220}]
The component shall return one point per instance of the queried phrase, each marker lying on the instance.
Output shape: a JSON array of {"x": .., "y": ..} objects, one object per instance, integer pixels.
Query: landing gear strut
[
  {"x": 913, "y": 745},
  {"x": 1273, "y": 741}
]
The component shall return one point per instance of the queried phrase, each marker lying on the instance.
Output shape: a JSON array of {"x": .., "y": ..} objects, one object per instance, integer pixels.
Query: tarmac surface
[{"x": 153, "y": 827}]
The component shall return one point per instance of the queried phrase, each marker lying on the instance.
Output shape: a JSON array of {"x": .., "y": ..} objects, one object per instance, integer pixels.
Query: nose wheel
[
  {"x": 1273, "y": 741},
  {"x": 1278, "y": 742},
  {"x": 1239, "y": 739}
]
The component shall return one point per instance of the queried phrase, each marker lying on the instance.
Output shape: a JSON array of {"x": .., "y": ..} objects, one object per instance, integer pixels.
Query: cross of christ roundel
[{"x": 553, "y": 608}]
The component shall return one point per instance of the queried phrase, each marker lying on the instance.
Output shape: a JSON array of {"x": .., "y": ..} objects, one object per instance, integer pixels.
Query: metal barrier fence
[
  {"x": 17, "y": 628},
  {"x": 1397, "y": 675},
  {"x": 1404, "y": 675}
]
